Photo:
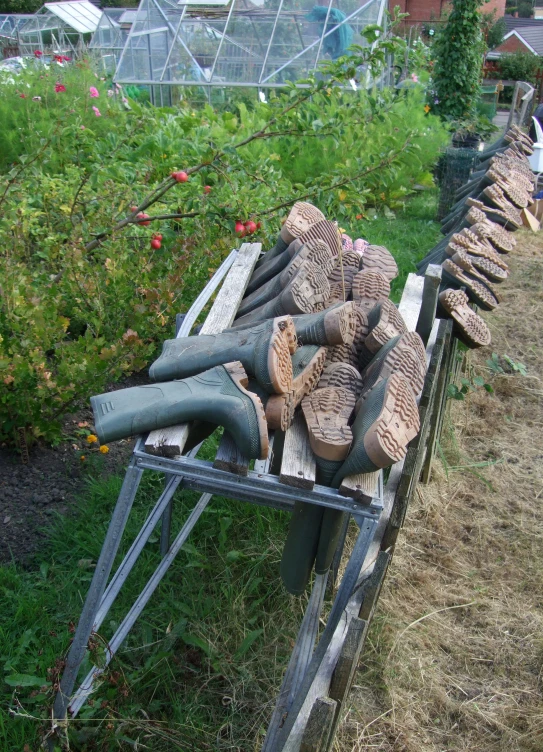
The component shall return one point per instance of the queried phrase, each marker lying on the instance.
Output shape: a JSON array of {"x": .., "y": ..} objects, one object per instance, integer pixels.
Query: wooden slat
[
  {"x": 361, "y": 487},
  {"x": 170, "y": 442},
  {"x": 427, "y": 314},
  {"x": 411, "y": 301},
  {"x": 229, "y": 458},
  {"x": 298, "y": 466},
  {"x": 345, "y": 669},
  {"x": 372, "y": 586},
  {"x": 319, "y": 725}
]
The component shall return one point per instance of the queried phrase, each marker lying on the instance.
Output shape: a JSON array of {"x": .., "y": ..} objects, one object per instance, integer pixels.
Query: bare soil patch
[{"x": 454, "y": 657}]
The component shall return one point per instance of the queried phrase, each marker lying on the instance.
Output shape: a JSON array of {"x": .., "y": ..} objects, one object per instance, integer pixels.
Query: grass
[{"x": 205, "y": 660}]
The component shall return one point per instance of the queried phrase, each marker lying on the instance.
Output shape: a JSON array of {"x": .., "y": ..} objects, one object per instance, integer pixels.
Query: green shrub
[
  {"x": 519, "y": 66},
  {"x": 77, "y": 313}
]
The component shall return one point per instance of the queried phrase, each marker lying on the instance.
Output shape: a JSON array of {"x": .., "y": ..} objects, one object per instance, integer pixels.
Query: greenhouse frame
[
  {"x": 63, "y": 27},
  {"x": 246, "y": 43},
  {"x": 9, "y": 27},
  {"x": 110, "y": 37}
]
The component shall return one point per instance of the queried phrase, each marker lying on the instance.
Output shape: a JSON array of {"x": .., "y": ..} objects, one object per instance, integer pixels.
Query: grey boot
[
  {"x": 217, "y": 396},
  {"x": 314, "y": 252},
  {"x": 333, "y": 326},
  {"x": 264, "y": 351}
]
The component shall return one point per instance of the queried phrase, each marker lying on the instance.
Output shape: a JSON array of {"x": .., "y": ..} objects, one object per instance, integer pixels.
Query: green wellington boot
[
  {"x": 474, "y": 264},
  {"x": 307, "y": 292},
  {"x": 300, "y": 546},
  {"x": 387, "y": 421},
  {"x": 469, "y": 327},
  {"x": 403, "y": 354},
  {"x": 333, "y": 326},
  {"x": 314, "y": 252},
  {"x": 322, "y": 230},
  {"x": 479, "y": 292},
  {"x": 264, "y": 351},
  {"x": 273, "y": 267},
  {"x": 301, "y": 217},
  {"x": 217, "y": 396},
  {"x": 384, "y": 323}
]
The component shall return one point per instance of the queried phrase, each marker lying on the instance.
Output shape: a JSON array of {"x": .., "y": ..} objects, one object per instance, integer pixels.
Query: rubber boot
[
  {"x": 279, "y": 408},
  {"x": 387, "y": 421},
  {"x": 217, "y": 396},
  {"x": 301, "y": 217},
  {"x": 333, "y": 326},
  {"x": 377, "y": 258},
  {"x": 301, "y": 546},
  {"x": 384, "y": 323},
  {"x": 273, "y": 267},
  {"x": 307, "y": 292},
  {"x": 264, "y": 351},
  {"x": 478, "y": 292},
  {"x": 314, "y": 252},
  {"x": 404, "y": 354}
]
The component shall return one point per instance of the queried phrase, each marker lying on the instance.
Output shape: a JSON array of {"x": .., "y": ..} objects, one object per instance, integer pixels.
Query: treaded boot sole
[
  {"x": 479, "y": 293},
  {"x": 327, "y": 412},
  {"x": 342, "y": 376},
  {"x": 361, "y": 320},
  {"x": 469, "y": 327},
  {"x": 279, "y": 360},
  {"x": 387, "y": 421},
  {"x": 338, "y": 293},
  {"x": 342, "y": 354},
  {"x": 307, "y": 293},
  {"x": 333, "y": 326},
  {"x": 500, "y": 238},
  {"x": 370, "y": 288},
  {"x": 237, "y": 373},
  {"x": 479, "y": 250},
  {"x": 377, "y": 258},
  {"x": 285, "y": 324},
  {"x": 405, "y": 355},
  {"x": 492, "y": 271},
  {"x": 301, "y": 217},
  {"x": 388, "y": 324},
  {"x": 463, "y": 260},
  {"x": 324, "y": 230},
  {"x": 347, "y": 266},
  {"x": 280, "y": 407}
]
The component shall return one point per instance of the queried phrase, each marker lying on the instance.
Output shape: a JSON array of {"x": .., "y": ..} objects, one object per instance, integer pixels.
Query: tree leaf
[{"x": 24, "y": 680}]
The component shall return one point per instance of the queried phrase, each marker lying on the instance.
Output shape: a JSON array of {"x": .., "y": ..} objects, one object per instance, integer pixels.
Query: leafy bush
[
  {"x": 458, "y": 61},
  {"x": 519, "y": 66},
  {"x": 84, "y": 297}
]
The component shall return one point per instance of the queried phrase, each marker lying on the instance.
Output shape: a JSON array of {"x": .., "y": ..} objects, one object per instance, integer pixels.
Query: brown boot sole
[
  {"x": 280, "y": 407},
  {"x": 513, "y": 217},
  {"x": 469, "y": 326},
  {"x": 327, "y": 231},
  {"x": 340, "y": 324},
  {"x": 492, "y": 271},
  {"x": 462, "y": 260},
  {"x": 279, "y": 361},
  {"x": 238, "y": 375},
  {"x": 498, "y": 197},
  {"x": 301, "y": 217},
  {"x": 361, "y": 314},
  {"x": 286, "y": 325},
  {"x": 407, "y": 357},
  {"x": 483, "y": 296},
  {"x": 475, "y": 248},
  {"x": 342, "y": 376},
  {"x": 307, "y": 293},
  {"x": 502, "y": 171},
  {"x": 512, "y": 189},
  {"x": 390, "y": 325},
  {"x": 338, "y": 293},
  {"x": 347, "y": 266},
  {"x": 500, "y": 238},
  {"x": 398, "y": 423},
  {"x": 342, "y": 354},
  {"x": 327, "y": 412},
  {"x": 370, "y": 288},
  {"x": 377, "y": 258}
]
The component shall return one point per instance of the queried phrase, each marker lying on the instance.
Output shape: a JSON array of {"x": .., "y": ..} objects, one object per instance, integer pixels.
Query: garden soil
[{"x": 455, "y": 655}]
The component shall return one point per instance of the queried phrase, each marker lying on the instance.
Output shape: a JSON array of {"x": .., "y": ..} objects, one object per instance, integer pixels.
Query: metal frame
[{"x": 255, "y": 55}]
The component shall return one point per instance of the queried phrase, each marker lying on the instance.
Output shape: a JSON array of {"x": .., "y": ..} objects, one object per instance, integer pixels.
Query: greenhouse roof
[{"x": 79, "y": 14}]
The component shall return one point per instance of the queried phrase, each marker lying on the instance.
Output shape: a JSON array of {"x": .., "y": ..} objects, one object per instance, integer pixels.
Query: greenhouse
[
  {"x": 258, "y": 43},
  {"x": 109, "y": 38},
  {"x": 63, "y": 27},
  {"x": 9, "y": 26}
]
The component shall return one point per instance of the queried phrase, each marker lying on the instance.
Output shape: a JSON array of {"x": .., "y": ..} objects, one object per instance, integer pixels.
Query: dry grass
[{"x": 454, "y": 658}]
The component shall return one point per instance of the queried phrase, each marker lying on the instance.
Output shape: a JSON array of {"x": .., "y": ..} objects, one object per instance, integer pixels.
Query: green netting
[{"x": 452, "y": 171}]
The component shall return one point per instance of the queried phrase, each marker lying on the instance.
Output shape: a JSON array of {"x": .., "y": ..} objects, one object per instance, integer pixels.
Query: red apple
[
  {"x": 250, "y": 226},
  {"x": 239, "y": 228},
  {"x": 207, "y": 189},
  {"x": 157, "y": 235},
  {"x": 155, "y": 243},
  {"x": 181, "y": 177}
]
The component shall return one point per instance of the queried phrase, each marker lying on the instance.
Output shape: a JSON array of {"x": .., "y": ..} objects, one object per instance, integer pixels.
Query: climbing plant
[{"x": 458, "y": 61}]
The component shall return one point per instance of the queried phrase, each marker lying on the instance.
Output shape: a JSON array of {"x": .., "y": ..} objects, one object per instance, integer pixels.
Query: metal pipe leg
[
  {"x": 166, "y": 521},
  {"x": 97, "y": 587}
]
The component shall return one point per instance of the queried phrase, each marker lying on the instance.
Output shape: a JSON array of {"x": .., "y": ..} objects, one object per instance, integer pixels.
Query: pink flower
[
  {"x": 97, "y": 112},
  {"x": 110, "y": 93},
  {"x": 59, "y": 88},
  {"x": 38, "y": 53},
  {"x": 23, "y": 96},
  {"x": 82, "y": 127},
  {"x": 414, "y": 78},
  {"x": 66, "y": 59},
  {"x": 94, "y": 92}
]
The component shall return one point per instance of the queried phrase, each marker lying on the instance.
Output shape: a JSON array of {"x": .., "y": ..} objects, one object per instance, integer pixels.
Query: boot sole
[
  {"x": 324, "y": 230},
  {"x": 390, "y": 325},
  {"x": 469, "y": 326},
  {"x": 340, "y": 325},
  {"x": 509, "y": 216},
  {"x": 377, "y": 258},
  {"x": 462, "y": 260},
  {"x": 307, "y": 293},
  {"x": 496, "y": 194},
  {"x": 315, "y": 252},
  {"x": 280, "y": 407},
  {"x": 279, "y": 361},
  {"x": 491, "y": 270},
  {"x": 342, "y": 376},
  {"x": 347, "y": 266},
  {"x": 397, "y": 424},
  {"x": 285, "y": 324},
  {"x": 342, "y": 354},
  {"x": 237, "y": 373},
  {"x": 476, "y": 249},
  {"x": 301, "y": 217},
  {"x": 361, "y": 327},
  {"x": 406, "y": 357},
  {"x": 480, "y": 294},
  {"x": 501, "y": 239},
  {"x": 327, "y": 412},
  {"x": 338, "y": 293},
  {"x": 370, "y": 288}
]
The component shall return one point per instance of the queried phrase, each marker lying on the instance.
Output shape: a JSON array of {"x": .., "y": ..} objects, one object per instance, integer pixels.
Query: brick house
[
  {"x": 422, "y": 11},
  {"x": 525, "y": 34}
]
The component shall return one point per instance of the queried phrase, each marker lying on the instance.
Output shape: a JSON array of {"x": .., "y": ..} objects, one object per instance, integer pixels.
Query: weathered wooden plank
[
  {"x": 345, "y": 669},
  {"x": 371, "y": 588},
  {"x": 411, "y": 301},
  {"x": 229, "y": 457},
  {"x": 298, "y": 466},
  {"x": 169, "y": 442},
  {"x": 427, "y": 314},
  {"x": 362, "y": 487},
  {"x": 319, "y": 725}
]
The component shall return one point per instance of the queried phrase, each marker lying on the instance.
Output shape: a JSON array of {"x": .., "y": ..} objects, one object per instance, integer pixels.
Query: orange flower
[
  {"x": 104, "y": 449},
  {"x": 82, "y": 458},
  {"x": 92, "y": 439},
  {"x": 427, "y": 108}
]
